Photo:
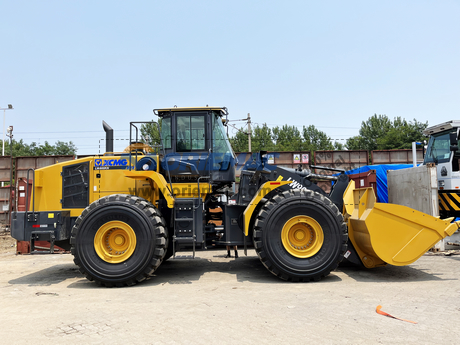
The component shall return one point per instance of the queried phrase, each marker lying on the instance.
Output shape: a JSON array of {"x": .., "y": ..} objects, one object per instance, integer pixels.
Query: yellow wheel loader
[{"x": 123, "y": 214}]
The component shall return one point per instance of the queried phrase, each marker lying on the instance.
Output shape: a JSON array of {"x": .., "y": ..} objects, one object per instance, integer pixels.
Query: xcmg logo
[{"x": 111, "y": 162}]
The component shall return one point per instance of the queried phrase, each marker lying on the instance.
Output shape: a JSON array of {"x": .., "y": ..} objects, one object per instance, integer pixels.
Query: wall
[
  {"x": 401, "y": 156},
  {"x": 416, "y": 188}
]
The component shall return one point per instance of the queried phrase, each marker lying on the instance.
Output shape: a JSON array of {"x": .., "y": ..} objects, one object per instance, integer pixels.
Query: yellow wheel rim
[
  {"x": 115, "y": 242},
  {"x": 302, "y": 236}
]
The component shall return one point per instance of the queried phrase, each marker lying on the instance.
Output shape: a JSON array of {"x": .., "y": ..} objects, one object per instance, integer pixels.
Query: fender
[{"x": 266, "y": 188}]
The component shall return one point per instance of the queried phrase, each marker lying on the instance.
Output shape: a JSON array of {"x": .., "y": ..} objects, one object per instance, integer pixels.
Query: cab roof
[
  {"x": 442, "y": 127},
  {"x": 188, "y": 109}
]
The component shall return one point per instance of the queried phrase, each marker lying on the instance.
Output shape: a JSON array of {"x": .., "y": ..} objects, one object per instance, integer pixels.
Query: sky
[{"x": 66, "y": 66}]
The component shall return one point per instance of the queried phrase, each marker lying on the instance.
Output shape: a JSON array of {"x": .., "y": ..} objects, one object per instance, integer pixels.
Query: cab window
[{"x": 191, "y": 131}]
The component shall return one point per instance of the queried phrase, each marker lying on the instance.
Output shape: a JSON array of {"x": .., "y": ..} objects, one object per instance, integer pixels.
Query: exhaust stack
[{"x": 108, "y": 137}]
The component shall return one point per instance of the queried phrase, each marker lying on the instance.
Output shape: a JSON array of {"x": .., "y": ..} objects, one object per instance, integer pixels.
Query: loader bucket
[{"x": 388, "y": 233}]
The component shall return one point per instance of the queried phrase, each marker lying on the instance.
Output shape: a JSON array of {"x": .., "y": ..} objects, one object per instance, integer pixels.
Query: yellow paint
[
  {"x": 50, "y": 215},
  {"x": 444, "y": 205},
  {"x": 456, "y": 197},
  {"x": 157, "y": 182},
  {"x": 452, "y": 204},
  {"x": 48, "y": 184},
  {"x": 266, "y": 188},
  {"x": 38, "y": 178},
  {"x": 138, "y": 147},
  {"x": 302, "y": 236},
  {"x": 115, "y": 242},
  {"x": 389, "y": 233},
  {"x": 48, "y": 187}
]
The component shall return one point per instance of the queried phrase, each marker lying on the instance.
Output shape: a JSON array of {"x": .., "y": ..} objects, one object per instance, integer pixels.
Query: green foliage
[
  {"x": 355, "y": 143},
  {"x": 316, "y": 139},
  {"x": 402, "y": 134},
  {"x": 240, "y": 141},
  {"x": 380, "y": 133},
  {"x": 150, "y": 133},
  {"x": 261, "y": 139},
  {"x": 338, "y": 146},
  {"x": 287, "y": 138},
  {"x": 21, "y": 149}
]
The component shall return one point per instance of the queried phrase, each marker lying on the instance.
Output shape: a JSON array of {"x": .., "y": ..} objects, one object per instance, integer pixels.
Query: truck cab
[{"x": 443, "y": 151}]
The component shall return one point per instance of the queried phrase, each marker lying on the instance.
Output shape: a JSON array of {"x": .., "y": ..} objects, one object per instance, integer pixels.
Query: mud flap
[{"x": 388, "y": 233}]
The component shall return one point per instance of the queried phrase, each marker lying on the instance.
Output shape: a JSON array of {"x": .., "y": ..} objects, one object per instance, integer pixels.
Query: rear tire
[
  {"x": 300, "y": 235},
  {"x": 119, "y": 240}
]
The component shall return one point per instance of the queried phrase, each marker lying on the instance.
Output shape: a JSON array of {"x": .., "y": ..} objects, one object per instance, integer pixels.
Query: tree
[
  {"x": 380, "y": 133},
  {"x": 338, "y": 146},
  {"x": 287, "y": 138},
  {"x": 21, "y": 149},
  {"x": 355, "y": 143},
  {"x": 316, "y": 139},
  {"x": 402, "y": 135},
  {"x": 150, "y": 133},
  {"x": 261, "y": 139},
  {"x": 374, "y": 129},
  {"x": 61, "y": 148},
  {"x": 240, "y": 141},
  {"x": 284, "y": 138}
]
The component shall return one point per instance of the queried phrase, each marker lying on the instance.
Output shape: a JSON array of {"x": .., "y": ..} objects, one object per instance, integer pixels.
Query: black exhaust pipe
[{"x": 108, "y": 137}]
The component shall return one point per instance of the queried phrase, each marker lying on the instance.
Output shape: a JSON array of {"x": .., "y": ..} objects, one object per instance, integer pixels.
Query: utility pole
[
  {"x": 10, "y": 107},
  {"x": 10, "y": 199},
  {"x": 249, "y": 132}
]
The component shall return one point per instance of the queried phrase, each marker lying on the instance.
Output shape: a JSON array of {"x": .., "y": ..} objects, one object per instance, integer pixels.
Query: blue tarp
[{"x": 382, "y": 182}]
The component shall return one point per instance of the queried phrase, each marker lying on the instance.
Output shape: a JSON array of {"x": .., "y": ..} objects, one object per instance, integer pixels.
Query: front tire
[
  {"x": 300, "y": 235},
  {"x": 119, "y": 240}
]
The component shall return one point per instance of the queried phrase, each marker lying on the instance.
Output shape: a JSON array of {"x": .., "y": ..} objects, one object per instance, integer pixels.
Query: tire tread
[{"x": 160, "y": 232}]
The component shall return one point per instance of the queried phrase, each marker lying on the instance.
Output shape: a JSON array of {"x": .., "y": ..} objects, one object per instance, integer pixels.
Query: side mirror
[{"x": 453, "y": 141}]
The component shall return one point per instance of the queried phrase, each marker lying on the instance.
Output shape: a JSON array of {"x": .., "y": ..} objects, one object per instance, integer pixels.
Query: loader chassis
[{"x": 123, "y": 214}]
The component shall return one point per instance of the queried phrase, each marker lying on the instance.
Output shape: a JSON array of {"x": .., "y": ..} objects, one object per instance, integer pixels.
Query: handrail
[{"x": 26, "y": 214}]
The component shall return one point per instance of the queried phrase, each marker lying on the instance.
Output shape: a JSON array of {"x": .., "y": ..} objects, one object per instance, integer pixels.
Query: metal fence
[{"x": 20, "y": 167}]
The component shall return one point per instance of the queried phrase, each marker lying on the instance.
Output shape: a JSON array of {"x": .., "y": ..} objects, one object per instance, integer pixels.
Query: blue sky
[{"x": 67, "y": 65}]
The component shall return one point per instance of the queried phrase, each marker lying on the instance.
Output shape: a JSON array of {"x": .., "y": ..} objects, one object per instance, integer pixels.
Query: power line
[
  {"x": 273, "y": 124},
  {"x": 35, "y": 132}
]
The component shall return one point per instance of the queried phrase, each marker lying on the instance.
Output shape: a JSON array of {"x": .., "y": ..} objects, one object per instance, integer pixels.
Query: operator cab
[{"x": 195, "y": 144}]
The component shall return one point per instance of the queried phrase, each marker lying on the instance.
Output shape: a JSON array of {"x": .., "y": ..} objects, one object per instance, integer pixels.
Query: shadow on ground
[
  {"x": 246, "y": 269},
  {"x": 49, "y": 276},
  {"x": 188, "y": 271},
  {"x": 390, "y": 274}
]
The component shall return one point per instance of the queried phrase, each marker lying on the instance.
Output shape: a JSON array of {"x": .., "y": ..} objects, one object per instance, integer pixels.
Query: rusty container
[
  {"x": 365, "y": 179},
  {"x": 21, "y": 193}
]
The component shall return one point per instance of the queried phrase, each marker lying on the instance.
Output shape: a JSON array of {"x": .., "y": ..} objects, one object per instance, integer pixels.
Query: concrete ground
[{"x": 213, "y": 300}]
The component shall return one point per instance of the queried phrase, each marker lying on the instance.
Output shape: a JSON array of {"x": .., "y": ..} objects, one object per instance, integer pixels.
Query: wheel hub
[
  {"x": 302, "y": 236},
  {"x": 115, "y": 242}
]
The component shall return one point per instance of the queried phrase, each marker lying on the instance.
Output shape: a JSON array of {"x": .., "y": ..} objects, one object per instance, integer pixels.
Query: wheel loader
[{"x": 123, "y": 214}]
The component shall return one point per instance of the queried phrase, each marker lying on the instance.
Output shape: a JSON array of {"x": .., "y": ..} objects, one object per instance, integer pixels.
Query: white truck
[{"x": 443, "y": 150}]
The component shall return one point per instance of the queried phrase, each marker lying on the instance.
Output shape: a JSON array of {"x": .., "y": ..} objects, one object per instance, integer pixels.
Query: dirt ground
[
  {"x": 213, "y": 300},
  {"x": 7, "y": 243}
]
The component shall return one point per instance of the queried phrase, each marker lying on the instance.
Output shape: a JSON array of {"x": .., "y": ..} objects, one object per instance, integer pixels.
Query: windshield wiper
[{"x": 435, "y": 158}]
